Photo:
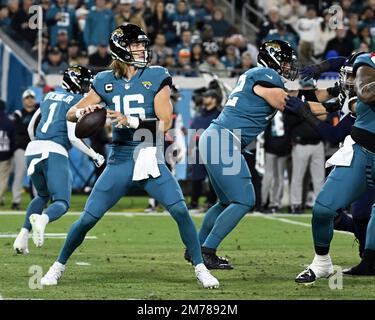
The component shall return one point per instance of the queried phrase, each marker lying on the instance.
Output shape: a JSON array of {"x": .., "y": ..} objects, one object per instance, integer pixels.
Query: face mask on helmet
[
  {"x": 140, "y": 52},
  {"x": 347, "y": 79}
]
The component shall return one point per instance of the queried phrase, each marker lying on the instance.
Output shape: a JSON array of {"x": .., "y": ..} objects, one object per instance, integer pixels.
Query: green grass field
[{"x": 141, "y": 257}]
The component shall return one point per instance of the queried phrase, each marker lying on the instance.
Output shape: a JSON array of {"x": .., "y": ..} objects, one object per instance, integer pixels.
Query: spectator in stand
[
  {"x": 20, "y": 23},
  {"x": 230, "y": 59},
  {"x": 364, "y": 37},
  {"x": 54, "y": 64},
  {"x": 83, "y": 59},
  {"x": 99, "y": 24},
  {"x": 367, "y": 19},
  {"x": 21, "y": 120},
  {"x": 159, "y": 23},
  {"x": 81, "y": 16},
  {"x": 341, "y": 44},
  {"x": 292, "y": 11},
  {"x": 4, "y": 16},
  {"x": 13, "y": 6},
  {"x": 63, "y": 43},
  {"x": 270, "y": 24},
  {"x": 196, "y": 55},
  {"x": 59, "y": 16},
  {"x": 353, "y": 26},
  {"x": 246, "y": 62},
  {"x": 101, "y": 59},
  {"x": 185, "y": 42},
  {"x": 281, "y": 33},
  {"x": 221, "y": 27},
  {"x": 200, "y": 12},
  {"x": 6, "y": 149},
  {"x": 308, "y": 29},
  {"x": 242, "y": 45},
  {"x": 73, "y": 52},
  {"x": 183, "y": 66},
  {"x": 127, "y": 15},
  {"x": 326, "y": 33},
  {"x": 159, "y": 50},
  {"x": 181, "y": 18},
  {"x": 212, "y": 62}
]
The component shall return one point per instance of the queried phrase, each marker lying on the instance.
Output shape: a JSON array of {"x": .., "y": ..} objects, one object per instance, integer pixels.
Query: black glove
[
  {"x": 302, "y": 108},
  {"x": 332, "y": 106},
  {"x": 334, "y": 91}
]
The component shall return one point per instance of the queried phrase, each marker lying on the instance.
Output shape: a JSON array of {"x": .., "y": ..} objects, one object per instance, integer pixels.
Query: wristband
[{"x": 133, "y": 122}]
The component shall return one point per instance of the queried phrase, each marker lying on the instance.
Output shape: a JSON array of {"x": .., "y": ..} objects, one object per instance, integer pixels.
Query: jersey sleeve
[
  {"x": 267, "y": 77},
  {"x": 162, "y": 78},
  {"x": 100, "y": 84},
  {"x": 367, "y": 59}
]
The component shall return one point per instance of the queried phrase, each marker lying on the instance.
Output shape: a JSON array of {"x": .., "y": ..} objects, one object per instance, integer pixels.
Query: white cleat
[
  {"x": 53, "y": 275},
  {"x": 38, "y": 223},
  {"x": 20, "y": 245},
  {"x": 205, "y": 278}
]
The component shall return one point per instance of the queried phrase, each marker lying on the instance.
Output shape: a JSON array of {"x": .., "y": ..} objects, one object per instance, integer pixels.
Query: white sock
[
  {"x": 44, "y": 218},
  {"x": 321, "y": 265},
  {"x": 24, "y": 231}
]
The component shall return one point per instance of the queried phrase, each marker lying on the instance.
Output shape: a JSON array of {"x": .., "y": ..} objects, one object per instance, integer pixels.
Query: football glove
[{"x": 98, "y": 160}]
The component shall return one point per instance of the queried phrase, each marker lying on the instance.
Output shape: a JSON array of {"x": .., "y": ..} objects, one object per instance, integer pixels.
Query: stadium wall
[{"x": 15, "y": 77}]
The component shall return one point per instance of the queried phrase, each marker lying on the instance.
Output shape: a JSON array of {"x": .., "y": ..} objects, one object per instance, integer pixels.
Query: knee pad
[
  {"x": 322, "y": 212},
  {"x": 87, "y": 220}
]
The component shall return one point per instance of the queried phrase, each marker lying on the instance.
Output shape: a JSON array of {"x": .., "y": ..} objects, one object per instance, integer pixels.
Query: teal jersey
[
  {"x": 246, "y": 111},
  {"x": 365, "y": 113},
  {"x": 53, "y": 109},
  {"x": 133, "y": 97}
]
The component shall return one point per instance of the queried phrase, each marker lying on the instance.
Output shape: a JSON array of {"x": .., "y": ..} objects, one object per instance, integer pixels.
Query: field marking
[
  {"x": 298, "y": 223},
  {"x": 46, "y": 235},
  {"x": 160, "y": 214}
]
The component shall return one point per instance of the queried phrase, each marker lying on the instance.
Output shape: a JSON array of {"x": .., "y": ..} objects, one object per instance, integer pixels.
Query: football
[{"x": 89, "y": 123}]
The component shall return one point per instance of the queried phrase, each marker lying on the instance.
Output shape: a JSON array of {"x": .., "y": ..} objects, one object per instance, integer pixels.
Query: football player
[
  {"x": 136, "y": 97},
  {"x": 47, "y": 156},
  {"x": 258, "y": 95},
  {"x": 352, "y": 176}
]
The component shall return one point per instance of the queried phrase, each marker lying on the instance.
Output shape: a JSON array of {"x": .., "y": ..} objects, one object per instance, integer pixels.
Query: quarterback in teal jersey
[
  {"x": 353, "y": 174},
  {"x": 137, "y": 98},
  {"x": 47, "y": 156},
  {"x": 258, "y": 95}
]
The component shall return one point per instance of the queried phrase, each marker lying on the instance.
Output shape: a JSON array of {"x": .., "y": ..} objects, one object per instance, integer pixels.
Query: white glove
[{"x": 98, "y": 160}]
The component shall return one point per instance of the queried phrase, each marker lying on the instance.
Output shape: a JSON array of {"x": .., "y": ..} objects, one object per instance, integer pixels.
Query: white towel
[
  {"x": 146, "y": 164},
  {"x": 343, "y": 156}
]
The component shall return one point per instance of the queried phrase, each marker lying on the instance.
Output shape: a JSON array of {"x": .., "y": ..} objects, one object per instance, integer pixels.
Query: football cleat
[
  {"x": 20, "y": 245},
  {"x": 38, "y": 223},
  {"x": 364, "y": 268},
  {"x": 205, "y": 278},
  {"x": 212, "y": 261},
  {"x": 53, "y": 275},
  {"x": 306, "y": 277}
]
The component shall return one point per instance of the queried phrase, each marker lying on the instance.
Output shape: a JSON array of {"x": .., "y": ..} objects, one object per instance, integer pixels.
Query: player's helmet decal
[
  {"x": 77, "y": 79},
  {"x": 280, "y": 56},
  {"x": 120, "y": 41}
]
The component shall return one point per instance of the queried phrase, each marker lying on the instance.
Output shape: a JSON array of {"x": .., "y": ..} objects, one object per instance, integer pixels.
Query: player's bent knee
[
  {"x": 178, "y": 210},
  {"x": 87, "y": 220},
  {"x": 321, "y": 211}
]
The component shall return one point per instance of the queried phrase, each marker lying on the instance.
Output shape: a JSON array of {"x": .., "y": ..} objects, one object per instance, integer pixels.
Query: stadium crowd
[{"x": 189, "y": 37}]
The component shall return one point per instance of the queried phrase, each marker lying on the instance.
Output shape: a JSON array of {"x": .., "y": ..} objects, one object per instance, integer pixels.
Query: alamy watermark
[
  {"x": 335, "y": 282},
  {"x": 36, "y": 276},
  {"x": 36, "y": 19}
]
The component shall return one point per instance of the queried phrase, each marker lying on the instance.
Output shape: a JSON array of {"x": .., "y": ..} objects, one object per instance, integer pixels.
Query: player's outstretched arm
[
  {"x": 163, "y": 107},
  {"x": 365, "y": 84},
  {"x": 275, "y": 97},
  {"x": 86, "y": 105}
]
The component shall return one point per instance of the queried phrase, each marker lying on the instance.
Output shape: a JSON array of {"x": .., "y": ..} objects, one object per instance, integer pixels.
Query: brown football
[{"x": 89, "y": 123}]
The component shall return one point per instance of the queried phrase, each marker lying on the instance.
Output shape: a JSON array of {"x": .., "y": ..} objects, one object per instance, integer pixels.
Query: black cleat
[
  {"x": 306, "y": 277},
  {"x": 187, "y": 256},
  {"x": 212, "y": 261},
  {"x": 364, "y": 268}
]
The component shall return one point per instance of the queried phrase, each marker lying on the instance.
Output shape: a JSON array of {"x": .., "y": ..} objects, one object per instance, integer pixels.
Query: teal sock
[{"x": 209, "y": 221}]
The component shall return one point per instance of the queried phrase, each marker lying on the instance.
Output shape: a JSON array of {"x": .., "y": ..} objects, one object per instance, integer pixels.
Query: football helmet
[
  {"x": 77, "y": 79},
  {"x": 346, "y": 77},
  {"x": 121, "y": 39},
  {"x": 280, "y": 56}
]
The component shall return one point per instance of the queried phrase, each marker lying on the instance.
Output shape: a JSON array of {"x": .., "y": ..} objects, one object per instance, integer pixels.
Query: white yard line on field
[{"x": 46, "y": 235}]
